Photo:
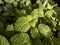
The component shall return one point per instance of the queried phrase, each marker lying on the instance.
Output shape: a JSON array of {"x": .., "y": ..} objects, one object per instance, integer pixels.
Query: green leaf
[
  {"x": 34, "y": 22},
  {"x": 1, "y": 2},
  {"x": 46, "y": 41},
  {"x": 9, "y": 1},
  {"x": 49, "y": 6},
  {"x": 10, "y": 27},
  {"x": 38, "y": 12},
  {"x": 57, "y": 10},
  {"x": 15, "y": 3},
  {"x": 34, "y": 13},
  {"x": 49, "y": 13},
  {"x": 22, "y": 24},
  {"x": 58, "y": 27},
  {"x": 22, "y": 1},
  {"x": 56, "y": 41},
  {"x": 45, "y": 30},
  {"x": 54, "y": 23},
  {"x": 39, "y": 2},
  {"x": 28, "y": 2},
  {"x": 20, "y": 39},
  {"x": 21, "y": 12},
  {"x": 58, "y": 35},
  {"x": 37, "y": 42},
  {"x": 51, "y": 2},
  {"x": 41, "y": 12},
  {"x": 29, "y": 18},
  {"x": 34, "y": 33},
  {"x": 3, "y": 40}
]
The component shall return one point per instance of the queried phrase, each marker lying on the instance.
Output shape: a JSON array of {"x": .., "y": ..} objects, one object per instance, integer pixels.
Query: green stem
[{"x": 45, "y": 2}]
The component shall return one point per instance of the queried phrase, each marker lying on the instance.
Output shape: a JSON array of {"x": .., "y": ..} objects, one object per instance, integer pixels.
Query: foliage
[
  {"x": 29, "y": 22},
  {"x": 3, "y": 40}
]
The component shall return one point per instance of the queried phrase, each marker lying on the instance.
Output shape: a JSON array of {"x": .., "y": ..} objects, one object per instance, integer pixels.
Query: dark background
[{"x": 57, "y": 1}]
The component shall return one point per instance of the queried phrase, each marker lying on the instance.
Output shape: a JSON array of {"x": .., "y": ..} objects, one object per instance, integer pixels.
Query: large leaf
[
  {"x": 38, "y": 12},
  {"x": 22, "y": 24},
  {"x": 45, "y": 30},
  {"x": 3, "y": 40},
  {"x": 20, "y": 39}
]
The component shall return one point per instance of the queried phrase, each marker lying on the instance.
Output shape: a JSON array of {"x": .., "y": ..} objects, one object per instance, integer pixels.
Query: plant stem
[{"x": 45, "y": 2}]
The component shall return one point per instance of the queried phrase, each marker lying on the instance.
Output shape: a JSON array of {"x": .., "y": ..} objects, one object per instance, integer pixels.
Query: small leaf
[
  {"x": 34, "y": 22},
  {"x": 15, "y": 3},
  {"x": 49, "y": 13},
  {"x": 54, "y": 23},
  {"x": 28, "y": 2},
  {"x": 10, "y": 27},
  {"x": 49, "y": 6},
  {"x": 34, "y": 33},
  {"x": 29, "y": 18}
]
